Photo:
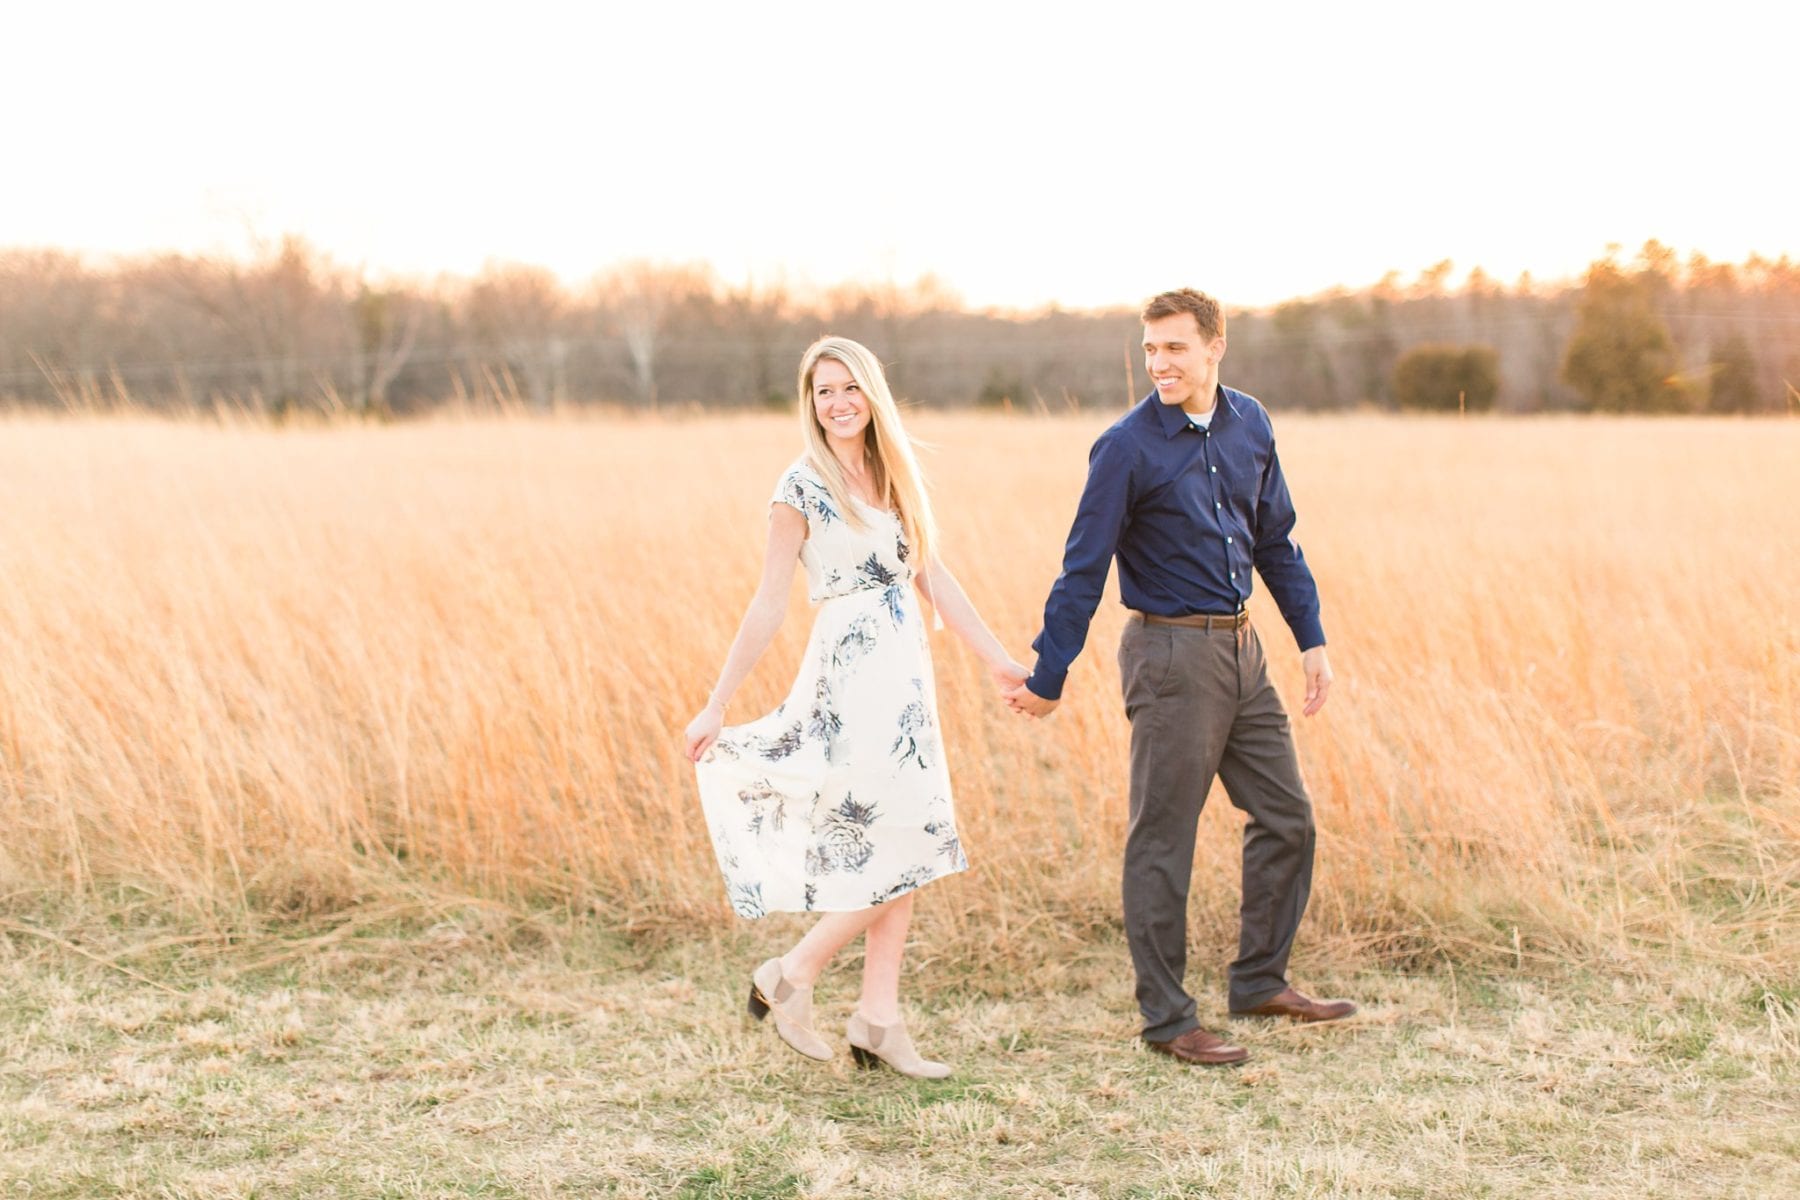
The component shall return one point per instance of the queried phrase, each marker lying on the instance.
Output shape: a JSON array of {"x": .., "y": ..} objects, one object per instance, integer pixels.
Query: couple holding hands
[{"x": 839, "y": 801}]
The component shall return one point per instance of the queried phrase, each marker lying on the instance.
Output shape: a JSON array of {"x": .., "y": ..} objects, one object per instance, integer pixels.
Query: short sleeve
[{"x": 793, "y": 490}]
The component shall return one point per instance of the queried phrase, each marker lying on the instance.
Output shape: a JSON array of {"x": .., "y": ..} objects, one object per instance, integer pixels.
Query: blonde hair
[{"x": 899, "y": 483}]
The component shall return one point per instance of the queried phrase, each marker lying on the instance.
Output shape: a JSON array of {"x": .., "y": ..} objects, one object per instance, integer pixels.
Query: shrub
[{"x": 1447, "y": 378}]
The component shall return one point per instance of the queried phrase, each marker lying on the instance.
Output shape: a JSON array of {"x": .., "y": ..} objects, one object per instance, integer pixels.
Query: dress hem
[{"x": 769, "y": 912}]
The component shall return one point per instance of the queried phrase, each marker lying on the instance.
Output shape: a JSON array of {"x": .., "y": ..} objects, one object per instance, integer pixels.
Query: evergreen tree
[
  {"x": 1732, "y": 377},
  {"x": 1621, "y": 358}
]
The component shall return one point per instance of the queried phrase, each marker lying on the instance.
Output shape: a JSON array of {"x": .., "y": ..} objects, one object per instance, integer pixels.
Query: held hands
[
  {"x": 703, "y": 730},
  {"x": 1318, "y": 679},
  {"x": 1009, "y": 676},
  {"x": 1028, "y": 703}
]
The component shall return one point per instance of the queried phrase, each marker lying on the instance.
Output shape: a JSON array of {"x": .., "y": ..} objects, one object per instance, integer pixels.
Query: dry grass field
[
  {"x": 453, "y": 1062},
  {"x": 283, "y": 712}
]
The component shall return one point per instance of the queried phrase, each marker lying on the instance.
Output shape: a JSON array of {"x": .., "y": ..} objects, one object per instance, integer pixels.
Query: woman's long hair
[{"x": 899, "y": 484}]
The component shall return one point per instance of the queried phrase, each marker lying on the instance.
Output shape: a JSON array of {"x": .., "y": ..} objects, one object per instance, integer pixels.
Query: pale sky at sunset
[{"x": 1257, "y": 151}]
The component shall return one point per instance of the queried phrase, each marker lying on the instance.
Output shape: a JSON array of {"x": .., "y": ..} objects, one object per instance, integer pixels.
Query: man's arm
[
  {"x": 1100, "y": 519},
  {"x": 1290, "y": 581}
]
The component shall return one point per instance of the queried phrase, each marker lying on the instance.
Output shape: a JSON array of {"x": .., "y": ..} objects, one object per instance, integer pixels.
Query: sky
[{"x": 1022, "y": 157}]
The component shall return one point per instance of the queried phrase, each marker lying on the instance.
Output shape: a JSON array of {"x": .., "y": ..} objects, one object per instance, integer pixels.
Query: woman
[{"x": 839, "y": 801}]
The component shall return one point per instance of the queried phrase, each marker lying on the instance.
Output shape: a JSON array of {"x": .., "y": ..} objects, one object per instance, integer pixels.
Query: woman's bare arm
[
  {"x": 953, "y": 604},
  {"x": 762, "y": 619}
]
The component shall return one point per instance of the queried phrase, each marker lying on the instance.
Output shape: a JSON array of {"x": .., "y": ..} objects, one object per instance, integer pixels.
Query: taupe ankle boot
[
  {"x": 889, "y": 1044},
  {"x": 792, "y": 1006}
]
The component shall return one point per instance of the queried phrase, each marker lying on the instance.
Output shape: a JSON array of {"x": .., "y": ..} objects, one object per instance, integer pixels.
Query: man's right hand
[{"x": 1022, "y": 699}]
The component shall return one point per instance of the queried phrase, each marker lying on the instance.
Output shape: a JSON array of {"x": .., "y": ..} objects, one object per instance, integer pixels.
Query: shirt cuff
[
  {"x": 1309, "y": 634},
  {"x": 1046, "y": 684}
]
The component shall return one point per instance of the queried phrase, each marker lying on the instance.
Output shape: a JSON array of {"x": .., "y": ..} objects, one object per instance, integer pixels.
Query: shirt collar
[{"x": 1174, "y": 420}]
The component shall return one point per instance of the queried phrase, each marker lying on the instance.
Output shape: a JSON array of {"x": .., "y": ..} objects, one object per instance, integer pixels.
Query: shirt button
[
  {"x": 1228, "y": 541},
  {"x": 1216, "y": 504},
  {"x": 1234, "y": 574},
  {"x": 1215, "y": 470}
]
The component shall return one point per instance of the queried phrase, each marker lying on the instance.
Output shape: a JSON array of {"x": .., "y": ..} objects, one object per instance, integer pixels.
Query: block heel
[
  {"x": 889, "y": 1046},
  {"x": 791, "y": 1007}
]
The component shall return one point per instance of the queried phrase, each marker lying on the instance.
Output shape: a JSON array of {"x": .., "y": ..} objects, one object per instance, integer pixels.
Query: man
[{"x": 1187, "y": 492}]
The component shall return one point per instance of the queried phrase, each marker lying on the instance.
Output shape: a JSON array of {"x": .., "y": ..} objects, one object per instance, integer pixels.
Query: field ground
[{"x": 556, "y": 1061}]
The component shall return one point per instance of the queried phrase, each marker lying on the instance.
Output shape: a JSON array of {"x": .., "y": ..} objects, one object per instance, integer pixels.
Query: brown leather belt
[{"x": 1235, "y": 620}]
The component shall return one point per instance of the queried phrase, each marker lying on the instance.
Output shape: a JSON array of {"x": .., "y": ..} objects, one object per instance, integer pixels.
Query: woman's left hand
[{"x": 1008, "y": 675}]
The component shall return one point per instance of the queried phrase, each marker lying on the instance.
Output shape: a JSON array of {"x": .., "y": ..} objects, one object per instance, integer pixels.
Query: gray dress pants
[{"x": 1201, "y": 704}]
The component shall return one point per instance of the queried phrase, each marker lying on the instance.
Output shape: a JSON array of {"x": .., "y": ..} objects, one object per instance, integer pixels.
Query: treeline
[{"x": 288, "y": 330}]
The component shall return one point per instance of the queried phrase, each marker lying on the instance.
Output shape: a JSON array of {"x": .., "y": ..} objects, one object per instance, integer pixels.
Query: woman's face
[{"x": 838, "y": 401}]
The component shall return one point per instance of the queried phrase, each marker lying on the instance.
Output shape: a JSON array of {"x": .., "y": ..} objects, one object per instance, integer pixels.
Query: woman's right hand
[{"x": 703, "y": 731}]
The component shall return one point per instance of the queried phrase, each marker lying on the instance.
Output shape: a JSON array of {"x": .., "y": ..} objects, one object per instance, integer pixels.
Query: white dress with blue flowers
[{"x": 840, "y": 798}]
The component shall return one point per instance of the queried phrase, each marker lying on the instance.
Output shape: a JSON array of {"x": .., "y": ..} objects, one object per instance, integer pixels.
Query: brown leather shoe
[
  {"x": 1289, "y": 1003},
  {"x": 1202, "y": 1048}
]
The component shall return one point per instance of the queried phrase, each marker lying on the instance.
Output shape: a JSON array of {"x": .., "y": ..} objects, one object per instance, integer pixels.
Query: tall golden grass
[{"x": 248, "y": 671}]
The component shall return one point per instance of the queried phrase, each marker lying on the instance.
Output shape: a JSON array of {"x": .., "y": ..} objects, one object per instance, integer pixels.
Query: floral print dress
[{"x": 840, "y": 798}]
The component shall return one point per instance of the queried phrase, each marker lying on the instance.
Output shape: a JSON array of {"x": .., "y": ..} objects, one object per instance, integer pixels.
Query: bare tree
[
  {"x": 640, "y": 297},
  {"x": 518, "y": 314},
  {"x": 765, "y": 314},
  {"x": 387, "y": 329}
]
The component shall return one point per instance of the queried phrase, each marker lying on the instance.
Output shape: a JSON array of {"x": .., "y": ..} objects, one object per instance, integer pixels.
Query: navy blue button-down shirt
[{"x": 1188, "y": 512}]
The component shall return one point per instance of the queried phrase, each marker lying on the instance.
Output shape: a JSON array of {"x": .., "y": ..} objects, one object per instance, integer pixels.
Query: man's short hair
[{"x": 1206, "y": 311}]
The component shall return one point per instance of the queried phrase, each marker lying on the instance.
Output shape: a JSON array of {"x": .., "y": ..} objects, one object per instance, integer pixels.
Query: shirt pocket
[{"x": 1241, "y": 473}]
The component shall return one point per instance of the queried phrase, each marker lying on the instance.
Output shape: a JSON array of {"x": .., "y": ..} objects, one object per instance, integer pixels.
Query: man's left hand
[
  {"x": 1026, "y": 702},
  {"x": 1318, "y": 679}
]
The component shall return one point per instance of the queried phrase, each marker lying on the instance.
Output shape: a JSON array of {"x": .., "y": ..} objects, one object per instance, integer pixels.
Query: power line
[{"x": 570, "y": 351}]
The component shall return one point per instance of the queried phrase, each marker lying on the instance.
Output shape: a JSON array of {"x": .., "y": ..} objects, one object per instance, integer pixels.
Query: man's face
[{"x": 1180, "y": 359}]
